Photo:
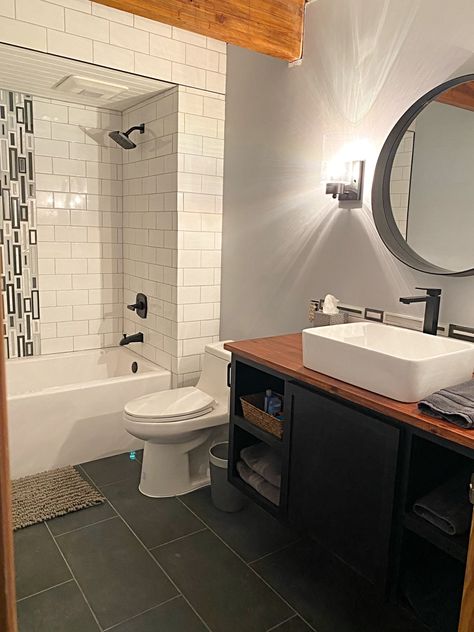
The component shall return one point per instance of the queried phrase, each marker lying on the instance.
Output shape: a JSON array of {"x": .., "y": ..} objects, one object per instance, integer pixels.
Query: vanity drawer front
[{"x": 342, "y": 480}]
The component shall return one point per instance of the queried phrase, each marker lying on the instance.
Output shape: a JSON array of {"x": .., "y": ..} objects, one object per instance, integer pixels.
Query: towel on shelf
[
  {"x": 263, "y": 487},
  {"x": 454, "y": 404},
  {"x": 447, "y": 507},
  {"x": 261, "y": 458}
]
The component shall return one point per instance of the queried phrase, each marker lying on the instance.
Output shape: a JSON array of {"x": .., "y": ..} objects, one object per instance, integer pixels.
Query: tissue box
[{"x": 322, "y": 320}]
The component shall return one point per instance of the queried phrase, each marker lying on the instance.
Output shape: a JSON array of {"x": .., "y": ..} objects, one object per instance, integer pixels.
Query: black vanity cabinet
[
  {"x": 342, "y": 479},
  {"x": 351, "y": 474}
]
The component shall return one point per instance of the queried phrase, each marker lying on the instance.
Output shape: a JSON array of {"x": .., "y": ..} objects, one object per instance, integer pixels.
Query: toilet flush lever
[{"x": 140, "y": 306}]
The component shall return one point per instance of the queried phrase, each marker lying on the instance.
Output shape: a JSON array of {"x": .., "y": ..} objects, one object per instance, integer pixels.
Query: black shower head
[{"x": 122, "y": 138}]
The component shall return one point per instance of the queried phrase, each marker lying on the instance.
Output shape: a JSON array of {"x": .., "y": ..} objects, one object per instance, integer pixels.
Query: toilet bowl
[{"x": 179, "y": 426}]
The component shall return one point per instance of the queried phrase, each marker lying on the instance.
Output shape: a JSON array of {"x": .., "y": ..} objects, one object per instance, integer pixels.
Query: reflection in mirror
[{"x": 431, "y": 181}]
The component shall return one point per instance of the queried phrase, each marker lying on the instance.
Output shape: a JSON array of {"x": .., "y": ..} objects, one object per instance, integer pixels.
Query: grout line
[
  {"x": 248, "y": 566},
  {"x": 45, "y": 590},
  {"x": 275, "y": 627},
  {"x": 282, "y": 548},
  {"x": 144, "y": 612},
  {"x": 85, "y": 526},
  {"x": 150, "y": 554},
  {"x": 74, "y": 577},
  {"x": 183, "y": 537}
]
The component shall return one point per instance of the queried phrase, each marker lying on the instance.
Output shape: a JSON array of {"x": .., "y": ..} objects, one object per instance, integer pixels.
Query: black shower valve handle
[
  {"x": 140, "y": 307},
  {"x": 135, "y": 306}
]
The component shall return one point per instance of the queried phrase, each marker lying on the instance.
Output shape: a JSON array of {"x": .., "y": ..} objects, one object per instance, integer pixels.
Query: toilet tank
[{"x": 213, "y": 378}]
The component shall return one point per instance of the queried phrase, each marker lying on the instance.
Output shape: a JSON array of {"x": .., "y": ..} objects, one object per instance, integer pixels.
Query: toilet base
[
  {"x": 174, "y": 469},
  {"x": 195, "y": 485}
]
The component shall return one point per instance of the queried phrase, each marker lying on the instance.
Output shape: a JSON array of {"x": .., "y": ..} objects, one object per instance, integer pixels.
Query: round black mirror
[{"x": 421, "y": 195}]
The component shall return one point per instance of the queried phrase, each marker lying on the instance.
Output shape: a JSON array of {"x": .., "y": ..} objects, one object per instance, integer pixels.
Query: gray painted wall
[{"x": 285, "y": 241}]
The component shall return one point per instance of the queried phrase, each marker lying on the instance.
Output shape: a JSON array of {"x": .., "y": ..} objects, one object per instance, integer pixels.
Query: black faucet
[
  {"x": 432, "y": 298},
  {"x": 126, "y": 340}
]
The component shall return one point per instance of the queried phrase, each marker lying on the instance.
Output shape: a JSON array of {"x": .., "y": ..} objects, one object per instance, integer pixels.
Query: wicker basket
[{"x": 252, "y": 408}]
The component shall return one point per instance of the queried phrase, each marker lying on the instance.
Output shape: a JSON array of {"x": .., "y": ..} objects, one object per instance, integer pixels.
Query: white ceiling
[{"x": 24, "y": 70}]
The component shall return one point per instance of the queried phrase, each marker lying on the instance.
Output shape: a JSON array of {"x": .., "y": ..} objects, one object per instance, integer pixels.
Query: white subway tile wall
[
  {"x": 172, "y": 227},
  {"x": 79, "y": 198},
  {"x": 172, "y": 186},
  {"x": 90, "y": 32}
]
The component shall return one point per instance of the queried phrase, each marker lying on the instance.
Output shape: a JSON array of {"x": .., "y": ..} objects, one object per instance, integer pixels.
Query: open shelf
[
  {"x": 252, "y": 493},
  {"x": 257, "y": 432},
  {"x": 454, "y": 545}
]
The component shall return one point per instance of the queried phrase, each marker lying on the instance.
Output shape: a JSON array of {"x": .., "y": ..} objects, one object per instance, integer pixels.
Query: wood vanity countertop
[{"x": 285, "y": 355}]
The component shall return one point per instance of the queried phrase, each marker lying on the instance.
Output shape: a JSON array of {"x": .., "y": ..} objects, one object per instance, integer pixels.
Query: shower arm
[{"x": 135, "y": 127}]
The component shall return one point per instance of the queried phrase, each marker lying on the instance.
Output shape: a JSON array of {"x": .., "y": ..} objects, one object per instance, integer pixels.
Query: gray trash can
[{"x": 224, "y": 495}]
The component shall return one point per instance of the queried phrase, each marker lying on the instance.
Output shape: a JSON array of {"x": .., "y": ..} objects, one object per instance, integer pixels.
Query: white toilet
[{"x": 179, "y": 426}]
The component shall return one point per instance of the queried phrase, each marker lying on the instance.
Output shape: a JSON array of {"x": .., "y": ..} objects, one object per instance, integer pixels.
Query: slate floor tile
[
  {"x": 82, "y": 518},
  {"x": 222, "y": 589},
  {"x": 251, "y": 532},
  {"x": 38, "y": 562},
  {"x": 60, "y": 609},
  {"x": 112, "y": 469},
  {"x": 173, "y": 616},
  {"x": 118, "y": 577},
  {"x": 327, "y": 594},
  {"x": 154, "y": 520}
]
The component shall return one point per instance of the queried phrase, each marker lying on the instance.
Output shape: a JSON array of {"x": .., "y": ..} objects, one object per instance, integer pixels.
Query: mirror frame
[{"x": 381, "y": 203}]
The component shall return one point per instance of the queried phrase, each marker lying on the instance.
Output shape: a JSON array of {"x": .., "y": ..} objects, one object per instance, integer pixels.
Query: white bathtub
[{"x": 66, "y": 408}]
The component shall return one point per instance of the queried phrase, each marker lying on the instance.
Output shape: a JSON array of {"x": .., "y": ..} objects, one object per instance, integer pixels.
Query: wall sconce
[{"x": 345, "y": 182}]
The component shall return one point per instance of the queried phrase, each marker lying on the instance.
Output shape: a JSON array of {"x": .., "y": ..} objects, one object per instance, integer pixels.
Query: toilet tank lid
[{"x": 217, "y": 349}]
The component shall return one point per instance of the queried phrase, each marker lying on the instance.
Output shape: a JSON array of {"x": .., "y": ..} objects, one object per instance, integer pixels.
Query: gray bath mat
[{"x": 51, "y": 494}]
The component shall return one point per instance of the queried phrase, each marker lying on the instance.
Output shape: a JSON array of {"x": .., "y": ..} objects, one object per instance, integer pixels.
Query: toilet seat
[{"x": 172, "y": 405}]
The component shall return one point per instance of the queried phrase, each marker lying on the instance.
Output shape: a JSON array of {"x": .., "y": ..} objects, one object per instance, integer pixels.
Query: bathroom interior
[{"x": 238, "y": 316}]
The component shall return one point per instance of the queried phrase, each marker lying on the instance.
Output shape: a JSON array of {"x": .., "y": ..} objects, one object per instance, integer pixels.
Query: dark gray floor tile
[
  {"x": 251, "y": 532},
  {"x": 174, "y": 616},
  {"x": 328, "y": 595},
  {"x": 117, "y": 575},
  {"x": 293, "y": 625},
  {"x": 154, "y": 520},
  {"x": 82, "y": 518},
  {"x": 222, "y": 589},
  {"x": 112, "y": 469},
  {"x": 38, "y": 562},
  {"x": 61, "y": 609}
]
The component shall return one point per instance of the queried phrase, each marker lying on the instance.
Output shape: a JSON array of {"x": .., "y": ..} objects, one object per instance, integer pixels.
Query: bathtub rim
[{"x": 153, "y": 370}]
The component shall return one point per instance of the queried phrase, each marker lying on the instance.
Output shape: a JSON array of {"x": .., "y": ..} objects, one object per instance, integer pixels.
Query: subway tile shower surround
[
  {"x": 79, "y": 199},
  {"x": 172, "y": 226},
  {"x": 167, "y": 196},
  {"x": 18, "y": 234},
  {"x": 171, "y": 219}
]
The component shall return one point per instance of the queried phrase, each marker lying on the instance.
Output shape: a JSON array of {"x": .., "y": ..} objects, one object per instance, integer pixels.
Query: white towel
[
  {"x": 263, "y": 487},
  {"x": 261, "y": 458}
]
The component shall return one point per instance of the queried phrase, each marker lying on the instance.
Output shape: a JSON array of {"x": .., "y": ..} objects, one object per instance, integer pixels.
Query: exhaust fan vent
[{"x": 91, "y": 88}]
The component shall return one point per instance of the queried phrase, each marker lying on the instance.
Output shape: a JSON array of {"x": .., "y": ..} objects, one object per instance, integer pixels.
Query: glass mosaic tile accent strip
[{"x": 18, "y": 235}]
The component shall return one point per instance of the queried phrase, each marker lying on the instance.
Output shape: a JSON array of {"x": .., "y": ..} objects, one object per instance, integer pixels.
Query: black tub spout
[{"x": 126, "y": 340}]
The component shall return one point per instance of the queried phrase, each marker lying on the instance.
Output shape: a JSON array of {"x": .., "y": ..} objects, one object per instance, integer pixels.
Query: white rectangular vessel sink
[{"x": 398, "y": 363}]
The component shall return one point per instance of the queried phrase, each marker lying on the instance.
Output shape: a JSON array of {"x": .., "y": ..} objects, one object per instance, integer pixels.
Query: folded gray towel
[
  {"x": 261, "y": 458},
  {"x": 447, "y": 507},
  {"x": 263, "y": 487},
  {"x": 454, "y": 404}
]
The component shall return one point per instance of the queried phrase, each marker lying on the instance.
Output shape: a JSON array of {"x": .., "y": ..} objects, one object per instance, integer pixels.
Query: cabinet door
[{"x": 342, "y": 480}]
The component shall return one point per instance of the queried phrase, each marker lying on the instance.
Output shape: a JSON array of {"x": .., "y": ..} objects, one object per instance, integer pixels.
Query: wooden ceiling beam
[
  {"x": 272, "y": 27},
  {"x": 461, "y": 96}
]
